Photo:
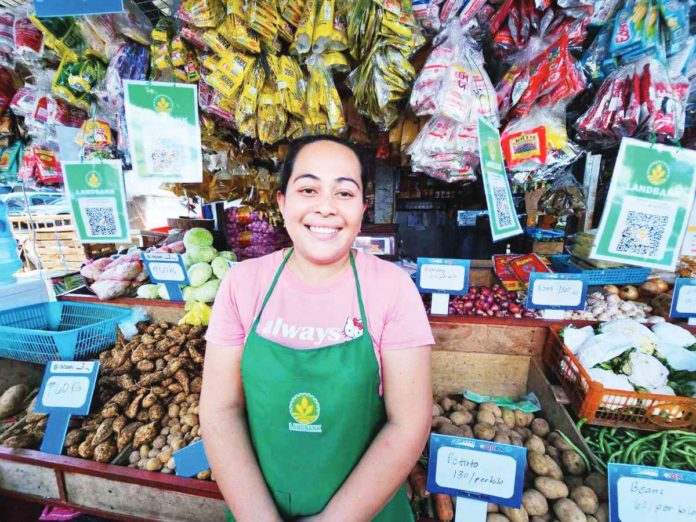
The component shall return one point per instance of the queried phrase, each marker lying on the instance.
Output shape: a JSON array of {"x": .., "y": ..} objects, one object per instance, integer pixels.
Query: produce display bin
[
  {"x": 58, "y": 331},
  {"x": 607, "y": 407},
  {"x": 601, "y": 276}
]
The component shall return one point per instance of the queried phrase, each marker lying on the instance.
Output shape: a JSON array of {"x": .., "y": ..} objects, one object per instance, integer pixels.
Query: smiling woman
[{"x": 316, "y": 388}]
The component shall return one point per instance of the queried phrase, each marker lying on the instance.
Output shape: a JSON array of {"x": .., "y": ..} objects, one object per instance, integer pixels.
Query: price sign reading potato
[
  {"x": 169, "y": 270},
  {"x": 66, "y": 390}
]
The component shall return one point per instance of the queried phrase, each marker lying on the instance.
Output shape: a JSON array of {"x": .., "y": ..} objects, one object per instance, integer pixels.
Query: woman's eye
[
  {"x": 307, "y": 191},
  {"x": 345, "y": 194}
]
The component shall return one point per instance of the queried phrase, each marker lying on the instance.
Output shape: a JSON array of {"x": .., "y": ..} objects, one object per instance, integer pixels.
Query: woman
[{"x": 316, "y": 396}]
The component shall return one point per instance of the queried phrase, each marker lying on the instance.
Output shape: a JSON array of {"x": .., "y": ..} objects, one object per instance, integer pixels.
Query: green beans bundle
[{"x": 674, "y": 449}]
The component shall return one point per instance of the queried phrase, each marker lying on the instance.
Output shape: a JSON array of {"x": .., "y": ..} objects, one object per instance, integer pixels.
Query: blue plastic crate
[
  {"x": 601, "y": 276},
  {"x": 58, "y": 331}
]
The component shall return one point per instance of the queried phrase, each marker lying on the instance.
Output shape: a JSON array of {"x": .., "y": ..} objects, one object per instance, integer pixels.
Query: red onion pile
[{"x": 484, "y": 301}]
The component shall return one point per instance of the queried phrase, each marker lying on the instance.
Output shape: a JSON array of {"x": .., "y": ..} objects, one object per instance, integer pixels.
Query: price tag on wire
[{"x": 67, "y": 389}]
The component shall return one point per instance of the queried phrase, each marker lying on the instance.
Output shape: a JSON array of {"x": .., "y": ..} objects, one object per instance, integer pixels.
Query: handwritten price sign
[
  {"x": 442, "y": 277},
  {"x": 66, "y": 390},
  {"x": 556, "y": 291},
  {"x": 169, "y": 270},
  {"x": 684, "y": 299}
]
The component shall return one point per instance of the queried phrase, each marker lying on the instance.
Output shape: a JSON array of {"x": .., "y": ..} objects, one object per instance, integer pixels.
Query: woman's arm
[
  {"x": 226, "y": 435},
  {"x": 397, "y": 447}
]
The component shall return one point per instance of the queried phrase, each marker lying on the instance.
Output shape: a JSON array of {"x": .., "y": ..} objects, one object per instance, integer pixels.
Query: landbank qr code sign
[
  {"x": 97, "y": 200},
  {"x": 647, "y": 211}
]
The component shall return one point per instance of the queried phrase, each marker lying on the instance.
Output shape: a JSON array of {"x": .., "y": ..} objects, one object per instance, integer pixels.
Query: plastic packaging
[{"x": 564, "y": 198}]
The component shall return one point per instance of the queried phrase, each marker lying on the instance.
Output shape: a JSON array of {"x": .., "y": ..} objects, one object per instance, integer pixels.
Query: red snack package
[
  {"x": 27, "y": 37},
  {"x": 523, "y": 266},
  {"x": 505, "y": 274},
  {"x": 48, "y": 169}
]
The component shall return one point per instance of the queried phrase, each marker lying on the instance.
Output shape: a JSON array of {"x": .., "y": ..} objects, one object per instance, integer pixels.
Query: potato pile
[
  {"x": 146, "y": 399},
  {"x": 558, "y": 485},
  {"x": 20, "y": 427}
]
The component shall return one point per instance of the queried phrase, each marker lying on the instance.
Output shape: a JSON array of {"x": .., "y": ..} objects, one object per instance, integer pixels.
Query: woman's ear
[{"x": 280, "y": 199}]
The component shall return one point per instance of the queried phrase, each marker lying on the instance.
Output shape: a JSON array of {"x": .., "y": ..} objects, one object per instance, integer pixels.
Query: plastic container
[
  {"x": 607, "y": 407},
  {"x": 58, "y": 331},
  {"x": 601, "y": 276},
  {"x": 9, "y": 259}
]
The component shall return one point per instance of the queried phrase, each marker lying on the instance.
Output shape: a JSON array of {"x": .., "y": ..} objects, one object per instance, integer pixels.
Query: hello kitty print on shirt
[{"x": 353, "y": 328}]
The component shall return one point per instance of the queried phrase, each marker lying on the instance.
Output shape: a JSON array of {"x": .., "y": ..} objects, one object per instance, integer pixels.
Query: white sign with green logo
[
  {"x": 501, "y": 208},
  {"x": 648, "y": 205},
  {"x": 164, "y": 135},
  {"x": 98, "y": 200}
]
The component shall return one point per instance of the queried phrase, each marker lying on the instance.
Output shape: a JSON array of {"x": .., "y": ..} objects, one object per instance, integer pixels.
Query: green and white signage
[
  {"x": 98, "y": 201},
  {"x": 501, "y": 208},
  {"x": 648, "y": 205},
  {"x": 163, "y": 132}
]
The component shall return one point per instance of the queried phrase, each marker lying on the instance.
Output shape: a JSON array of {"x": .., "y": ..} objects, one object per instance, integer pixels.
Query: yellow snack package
[
  {"x": 295, "y": 129},
  {"x": 292, "y": 11},
  {"x": 211, "y": 61},
  {"x": 62, "y": 35},
  {"x": 285, "y": 30},
  {"x": 202, "y": 13},
  {"x": 262, "y": 16},
  {"x": 221, "y": 83},
  {"x": 162, "y": 31},
  {"x": 271, "y": 118},
  {"x": 238, "y": 34},
  {"x": 236, "y": 8},
  {"x": 336, "y": 61},
  {"x": 161, "y": 59},
  {"x": 248, "y": 99},
  {"x": 217, "y": 42},
  {"x": 236, "y": 66},
  {"x": 323, "y": 26},
  {"x": 305, "y": 31},
  {"x": 339, "y": 39},
  {"x": 178, "y": 52}
]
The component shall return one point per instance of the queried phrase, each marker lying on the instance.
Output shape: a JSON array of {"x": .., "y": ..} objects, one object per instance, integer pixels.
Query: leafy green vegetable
[
  {"x": 204, "y": 254},
  {"x": 199, "y": 273},
  {"x": 206, "y": 292},
  {"x": 220, "y": 267},
  {"x": 198, "y": 237}
]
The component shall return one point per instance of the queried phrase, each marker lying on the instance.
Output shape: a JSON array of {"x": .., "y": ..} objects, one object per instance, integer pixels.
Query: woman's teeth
[{"x": 323, "y": 230}]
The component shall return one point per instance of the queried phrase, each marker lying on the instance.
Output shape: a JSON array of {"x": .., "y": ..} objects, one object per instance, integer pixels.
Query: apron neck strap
[{"x": 363, "y": 318}]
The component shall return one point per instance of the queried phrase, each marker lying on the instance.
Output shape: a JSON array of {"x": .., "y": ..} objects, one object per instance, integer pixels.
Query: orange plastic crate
[{"x": 607, "y": 407}]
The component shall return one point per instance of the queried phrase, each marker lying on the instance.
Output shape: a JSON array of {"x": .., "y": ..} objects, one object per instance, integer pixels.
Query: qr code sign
[
  {"x": 642, "y": 233},
  {"x": 164, "y": 152},
  {"x": 501, "y": 206},
  {"x": 100, "y": 217}
]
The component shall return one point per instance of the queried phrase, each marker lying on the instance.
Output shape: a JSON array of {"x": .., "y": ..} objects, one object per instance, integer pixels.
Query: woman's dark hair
[{"x": 297, "y": 145}]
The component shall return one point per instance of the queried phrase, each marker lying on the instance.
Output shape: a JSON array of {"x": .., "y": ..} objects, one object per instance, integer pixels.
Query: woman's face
[{"x": 323, "y": 204}]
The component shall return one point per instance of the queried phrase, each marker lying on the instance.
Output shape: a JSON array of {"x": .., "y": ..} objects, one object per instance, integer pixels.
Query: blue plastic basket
[
  {"x": 58, "y": 331},
  {"x": 601, "y": 276}
]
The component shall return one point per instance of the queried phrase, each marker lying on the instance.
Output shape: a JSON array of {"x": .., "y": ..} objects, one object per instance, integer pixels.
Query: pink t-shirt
[{"x": 300, "y": 315}]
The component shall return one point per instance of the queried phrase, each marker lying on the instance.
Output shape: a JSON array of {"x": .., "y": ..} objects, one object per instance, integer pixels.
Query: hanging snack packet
[
  {"x": 323, "y": 26},
  {"x": 133, "y": 23},
  {"x": 339, "y": 39},
  {"x": 28, "y": 39},
  {"x": 98, "y": 32},
  {"x": 261, "y": 17},
  {"x": 201, "y": 13},
  {"x": 245, "y": 110},
  {"x": 305, "y": 31},
  {"x": 61, "y": 35},
  {"x": 336, "y": 61},
  {"x": 270, "y": 115},
  {"x": 230, "y": 73},
  {"x": 234, "y": 30},
  {"x": 292, "y": 12},
  {"x": 47, "y": 166}
]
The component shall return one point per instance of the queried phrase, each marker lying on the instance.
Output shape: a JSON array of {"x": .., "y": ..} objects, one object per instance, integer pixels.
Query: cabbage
[
  {"x": 197, "y": 237},
  {"x": 186, "y": 258},
  {"x": 202, "y": 254},
  {"x": 206, "y": 293},
  {"x": 228, "y": 255},
  {"x": 148, "y": 291},
  {"x": 220, "y": 267},
  {"x": 199, "y": 273},
  {"x": 162, "y": 291},
  {"x": 186, "y": 292}
]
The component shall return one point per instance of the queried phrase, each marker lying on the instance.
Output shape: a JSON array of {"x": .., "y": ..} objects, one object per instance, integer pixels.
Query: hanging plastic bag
[{"x": 564, "y": 198}]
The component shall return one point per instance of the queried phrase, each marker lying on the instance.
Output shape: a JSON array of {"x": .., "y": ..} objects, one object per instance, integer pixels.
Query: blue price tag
[
  {"x": 169, "y": 270},
  {"x": 66, "y": 390},
  {"x": 482, "y": 470},
  {"x": 646, "y": 494},
  {"x": 556, "y": 291},
  {"x": 684, "y": 298},
  {"x": 191, "y": 460},
  {"x": 446, "y": 276},
  {"x": 50, "y": 8}
]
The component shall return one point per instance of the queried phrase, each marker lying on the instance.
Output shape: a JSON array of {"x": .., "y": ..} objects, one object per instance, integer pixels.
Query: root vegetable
[
  {"x": 446, "y": 404},
  {"x": 461, "y": 417},
  {"x": 156, "y": 413},
  {"x": 598, "y": 483},
  {"x": 105, "y": 452},
  {"x": 126, "y": 435},
  {"x": 562, "y": 444},
  {"x": 173, "y": 410},
  {"x": 446, "y": 429},
  {"x": 554, "y": 469},
  {"x": 74, "y": 437},
  {"x": 145, "y": 434},
  {"x": 159, "y": 442},
  {"x": 469, "y": 405},
  {"x": 120, "y": 422},
  {"x": 586, "y": 499},
  {"x": 142, "y": 416},
  {"x": 183, "y": 379},
  {"x": 485, "y": 416},
  {"x": 522, "y": 419},
  {"x": 418, "y": 479},
  {"x": 508, "y": 417},
  {"x": 540, "y": 427},
  {"x": 110, "y": 410},
  {"x": 165, "y": 455},
  {"x": 85, "y": 449},
  {"x": 134, "y": 457},
  {"x": 437, "y": 410},
  {"x": 467, "y": 431},
  {"x": 144, "y": 452},
  {"x": 535, "y": 443},
  {"x": 538, "y": 463},
  {"x": 602, "y": 514},
  {"x": 103, "y": 432},
  {"x": 132, "y": 409},
  {"x": 502, "y": 438},
  {"x": 572, "y": 482},
  {"x": 484, "y": 431},
  {"x": 204, "y": 475},
  {"x": 171, "y": 464},
  {"x": 551, "y": 488},
  {"x": 443, "y": 506},
  {"x": 535, "y": 503},
  {"x": 196, "y": 384},
  {"x": 515, "y": 515},
  {"x": 573, "y": 463},
  {"x": 491, "y": 407},
  {"x": 11, "y": 400},
  {"x": 121, "y": 399},
  {"x": 149, "y": 400},
  {"x": 525, "y": 433},
  {"x": 496, "y": 517},
  {"x": 153, "y": 464},
  {"x": 568, "y": 511}
]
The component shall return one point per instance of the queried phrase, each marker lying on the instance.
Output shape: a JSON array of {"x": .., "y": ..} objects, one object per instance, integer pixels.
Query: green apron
[{"x": 312, "y": 415}]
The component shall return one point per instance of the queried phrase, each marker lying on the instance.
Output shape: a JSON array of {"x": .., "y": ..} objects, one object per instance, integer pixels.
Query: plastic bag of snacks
[
  {"x": 538, "y": 140},
  {"x": 638, "y": 99},
  {"x": 252, "y": 233},
  {"x": 563, "y": 198},
  {"x": 454, "y": 87},
  {"x": 28, "y": 39}
]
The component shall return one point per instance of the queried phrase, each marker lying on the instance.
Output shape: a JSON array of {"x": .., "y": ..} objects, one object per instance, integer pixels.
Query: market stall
[{"x": 531, "y": 165}]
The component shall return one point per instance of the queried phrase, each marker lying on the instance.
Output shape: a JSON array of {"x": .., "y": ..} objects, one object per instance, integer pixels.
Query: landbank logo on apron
[{"x": 305, "y": 409}]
